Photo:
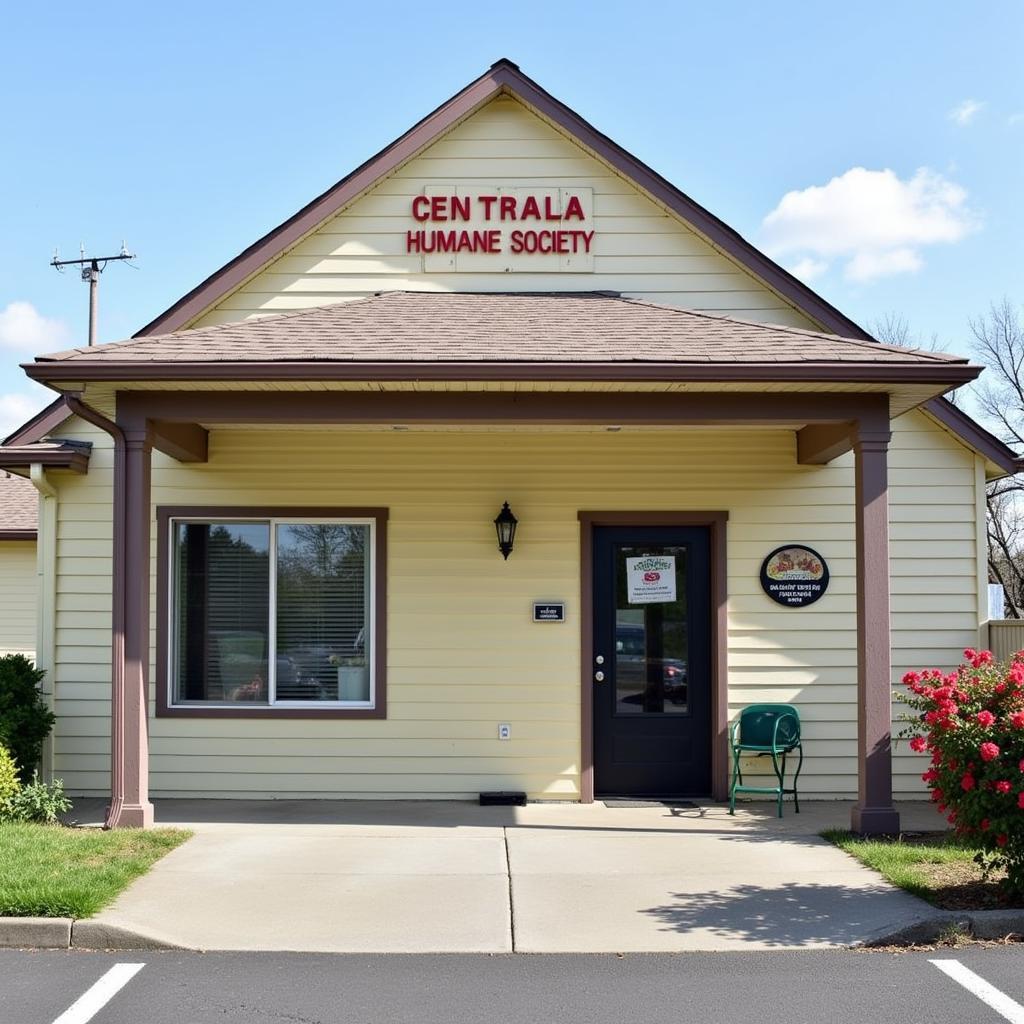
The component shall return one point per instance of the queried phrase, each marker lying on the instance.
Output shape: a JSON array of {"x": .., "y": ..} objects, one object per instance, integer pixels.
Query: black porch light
[{"x": 505, "y": 523}]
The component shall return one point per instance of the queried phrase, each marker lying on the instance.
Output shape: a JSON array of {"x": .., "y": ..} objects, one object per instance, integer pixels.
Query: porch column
[
  {"x": 129, "y": 793},
  {"x": 873, "y": 814}
]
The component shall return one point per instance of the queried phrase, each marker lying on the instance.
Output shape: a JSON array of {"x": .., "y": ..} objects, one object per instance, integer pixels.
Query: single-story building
[{"x": 502, "y": 465}]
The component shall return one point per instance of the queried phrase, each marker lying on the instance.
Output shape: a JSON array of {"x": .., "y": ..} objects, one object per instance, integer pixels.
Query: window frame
[{"x": 167, "y": 518}]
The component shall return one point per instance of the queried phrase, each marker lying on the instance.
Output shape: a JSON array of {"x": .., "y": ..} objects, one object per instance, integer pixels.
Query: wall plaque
[
  {"x": 794, "y": 575},
  {"x": 548, "y": 611}
]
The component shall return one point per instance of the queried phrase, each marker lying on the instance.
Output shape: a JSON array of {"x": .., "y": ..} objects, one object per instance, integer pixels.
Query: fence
[{"x": 1005, "y": 637}]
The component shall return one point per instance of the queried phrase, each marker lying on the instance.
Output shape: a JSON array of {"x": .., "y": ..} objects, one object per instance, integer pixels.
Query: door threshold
[{"x": 627, "y": 801}]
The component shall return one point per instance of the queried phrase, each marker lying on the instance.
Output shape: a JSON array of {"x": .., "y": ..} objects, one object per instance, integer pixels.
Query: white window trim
[{"x": 272, "y": 522}]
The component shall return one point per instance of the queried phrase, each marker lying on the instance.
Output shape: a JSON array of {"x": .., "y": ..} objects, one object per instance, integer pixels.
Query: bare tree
[{"x": 999, "y": 343}]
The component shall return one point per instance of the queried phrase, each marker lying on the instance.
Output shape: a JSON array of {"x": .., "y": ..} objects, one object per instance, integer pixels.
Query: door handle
[
  {"x": 599, "y": 660},
  {"x": 598, "y": 677}
]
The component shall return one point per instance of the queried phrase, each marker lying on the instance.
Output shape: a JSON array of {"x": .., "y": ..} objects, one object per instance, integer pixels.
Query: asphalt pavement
[{"x": 839, "y": 987}]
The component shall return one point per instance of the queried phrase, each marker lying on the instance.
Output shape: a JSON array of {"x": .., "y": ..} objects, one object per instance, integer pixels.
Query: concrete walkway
[{"x": 453, "y": 877}]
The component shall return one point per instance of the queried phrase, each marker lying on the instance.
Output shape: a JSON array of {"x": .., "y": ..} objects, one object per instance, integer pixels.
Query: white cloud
[
  {"x": 963, "y": 113},
  {"x": 874, "y": 221},
  {"x": 24, "y": 329},
  {"x": 808, "y": 269},
  {"x": 1015, "y": 119},
  {"x": 18, "y": 406}
]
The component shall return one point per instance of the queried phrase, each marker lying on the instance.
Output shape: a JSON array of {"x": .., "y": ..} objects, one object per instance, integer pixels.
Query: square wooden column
[
  {"x": 874, "y": 813},
  {"x": 129, "y": 781}
]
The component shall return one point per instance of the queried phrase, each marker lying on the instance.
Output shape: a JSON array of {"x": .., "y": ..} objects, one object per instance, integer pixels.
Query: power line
[{"x": 92, "y": 267}]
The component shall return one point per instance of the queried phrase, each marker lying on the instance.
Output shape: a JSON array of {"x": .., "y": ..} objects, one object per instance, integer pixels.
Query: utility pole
[{"x": 92, "y": 267}]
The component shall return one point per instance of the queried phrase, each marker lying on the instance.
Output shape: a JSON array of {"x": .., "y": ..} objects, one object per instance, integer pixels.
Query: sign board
[
  {"x": 794, "y": 575},
  {"x": 548, "y": 611},
  {"x": 651, "y": 579},
  {"x": 485, "y": 229}
]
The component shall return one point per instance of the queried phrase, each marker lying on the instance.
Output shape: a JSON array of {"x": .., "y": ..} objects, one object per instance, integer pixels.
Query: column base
[
  {"x": 875, "y": 821},
  {"x": 129, "y": 816}
]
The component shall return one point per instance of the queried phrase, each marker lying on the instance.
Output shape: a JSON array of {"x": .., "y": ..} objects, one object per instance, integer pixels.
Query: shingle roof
[
  {"x": 19, "y": 504},
  {"x": 433, "y": 327}
]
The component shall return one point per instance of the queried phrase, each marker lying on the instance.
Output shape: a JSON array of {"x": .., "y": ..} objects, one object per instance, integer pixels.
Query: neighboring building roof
[
  {"x": 73, "y": 455},
  {"x": 490, "y": 328},
  {"x": 19, "y": 508}
]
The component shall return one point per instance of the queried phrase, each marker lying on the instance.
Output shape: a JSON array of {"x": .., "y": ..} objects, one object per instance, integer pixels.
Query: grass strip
[{"x": 53, "y": 871}]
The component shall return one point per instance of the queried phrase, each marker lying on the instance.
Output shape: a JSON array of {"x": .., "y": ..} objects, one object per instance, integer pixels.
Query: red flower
[
  {"x": 910, "y": 678},
  {"x": 1001, "y": 840},
  {"x": 984, "y": 824},
  {"x": 985, "y": 718},
  {"x": 931, "y": 775},
  {"x": 970, "y": 653},
  {"x": 1020, "y": 800},
  {"x": 1017, "y": 719},
  {"x": 1002, "y": 786},
  {"x": 967, "y": 783},
  {"x": 918, "y": 744},
  {"x": 988, "y": 751}
]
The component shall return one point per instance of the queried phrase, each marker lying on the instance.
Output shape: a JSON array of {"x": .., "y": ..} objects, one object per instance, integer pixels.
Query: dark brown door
[{"x": 651, "y": 661}]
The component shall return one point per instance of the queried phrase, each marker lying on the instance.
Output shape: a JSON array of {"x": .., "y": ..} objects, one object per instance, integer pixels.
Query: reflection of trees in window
[{"x": 321, "y": 595}]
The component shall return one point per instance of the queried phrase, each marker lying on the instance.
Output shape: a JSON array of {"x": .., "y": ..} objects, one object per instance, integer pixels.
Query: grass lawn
[
  {"x": 936, "y": 866},
  {"x": 52, "y": 871}
]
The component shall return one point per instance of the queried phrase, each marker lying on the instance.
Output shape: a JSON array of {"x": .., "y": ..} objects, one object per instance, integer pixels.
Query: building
[
  {"x": 277, "y": 572},
  {"x": 17, "y": 565}
]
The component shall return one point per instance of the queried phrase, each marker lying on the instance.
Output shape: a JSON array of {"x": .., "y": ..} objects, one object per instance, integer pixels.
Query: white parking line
[
  {"x": 977, "y": 986},
  {"x": 86, "y": 1006}
]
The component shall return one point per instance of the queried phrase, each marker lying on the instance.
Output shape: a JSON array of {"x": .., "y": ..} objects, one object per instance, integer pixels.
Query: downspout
[
  {"x": 46, "y": 596},
  {"x": 118, "y": 609}
]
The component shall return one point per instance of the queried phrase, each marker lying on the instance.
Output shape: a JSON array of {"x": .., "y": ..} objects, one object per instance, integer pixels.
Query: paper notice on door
[{"x": 651, "y": 579}]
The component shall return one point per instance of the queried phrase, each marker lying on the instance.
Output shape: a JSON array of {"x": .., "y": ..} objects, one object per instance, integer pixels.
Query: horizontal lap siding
[
  {"x": 463, "y": 655},
  {"x": 639, "y": 249},
  {"x": 18, "y": 597}
]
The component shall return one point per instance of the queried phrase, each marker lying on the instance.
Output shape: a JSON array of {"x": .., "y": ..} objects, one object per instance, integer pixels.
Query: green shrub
[
  {"x": 37, "y": 802},
  {"x": 25, "y": 720},
  {"x": 10, "y": 785}
]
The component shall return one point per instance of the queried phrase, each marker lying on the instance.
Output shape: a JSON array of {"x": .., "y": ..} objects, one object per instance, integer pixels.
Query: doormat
[{"x": 612, "y": 803}]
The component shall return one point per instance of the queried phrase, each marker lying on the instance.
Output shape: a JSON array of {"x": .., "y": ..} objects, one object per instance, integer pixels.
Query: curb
[
  {"x": 66, "y": 933},
  {"x": 35, "y": 932},
  {"x": 979, "y": 924}
]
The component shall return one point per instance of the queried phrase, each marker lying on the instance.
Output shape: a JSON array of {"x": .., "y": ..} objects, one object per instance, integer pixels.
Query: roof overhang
[{"x": 70, "y": 455}]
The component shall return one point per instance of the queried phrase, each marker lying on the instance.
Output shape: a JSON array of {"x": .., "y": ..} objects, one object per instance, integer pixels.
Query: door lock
[{"x": 598, "y": 677}]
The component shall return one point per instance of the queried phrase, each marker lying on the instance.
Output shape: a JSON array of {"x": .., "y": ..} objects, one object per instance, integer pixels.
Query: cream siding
[
  {"x": 18, "y": 597},
  {"x": 640, "y": 249},
  {"x": 463, "y": 655}
]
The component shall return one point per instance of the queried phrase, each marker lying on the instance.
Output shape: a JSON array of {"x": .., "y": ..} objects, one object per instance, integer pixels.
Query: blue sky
[{"x": 876, "y": 148}]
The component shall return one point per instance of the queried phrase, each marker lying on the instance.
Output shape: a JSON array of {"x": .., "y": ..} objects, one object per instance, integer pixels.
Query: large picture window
[{"x": 271, "y": 613}]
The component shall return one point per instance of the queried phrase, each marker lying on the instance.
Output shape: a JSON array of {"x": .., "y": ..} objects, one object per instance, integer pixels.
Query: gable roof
[
  {"x": 19, "y": 508},
  {"x": 502, "y": 77}
]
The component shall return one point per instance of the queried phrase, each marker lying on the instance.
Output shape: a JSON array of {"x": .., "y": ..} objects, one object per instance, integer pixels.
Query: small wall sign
[
  {"x": 548, "y": 611},
  {"x": 651, "y": 579},
  {"x": 794, "y": 575}
]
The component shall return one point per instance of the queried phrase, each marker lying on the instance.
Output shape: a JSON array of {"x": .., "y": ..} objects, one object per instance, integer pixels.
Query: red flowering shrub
[{"x": 971, "y": 721}]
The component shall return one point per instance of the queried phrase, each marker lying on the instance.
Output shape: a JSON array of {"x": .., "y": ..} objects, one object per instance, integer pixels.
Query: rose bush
[{"x": 971, "y": 721}]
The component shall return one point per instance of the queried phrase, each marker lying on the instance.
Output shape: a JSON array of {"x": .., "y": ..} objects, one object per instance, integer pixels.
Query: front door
[{"x": 651, "y": 665}]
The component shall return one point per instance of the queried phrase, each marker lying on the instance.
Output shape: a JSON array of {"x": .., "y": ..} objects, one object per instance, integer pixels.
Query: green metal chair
[{"x": 766, "y": 730}]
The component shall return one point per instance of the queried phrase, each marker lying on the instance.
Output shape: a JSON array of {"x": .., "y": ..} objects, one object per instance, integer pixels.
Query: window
[{"x": 271, "y": 613}]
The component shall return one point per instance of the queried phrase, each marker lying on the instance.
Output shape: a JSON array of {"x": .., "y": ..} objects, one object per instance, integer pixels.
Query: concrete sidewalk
[{"x": 407, "y": 877}]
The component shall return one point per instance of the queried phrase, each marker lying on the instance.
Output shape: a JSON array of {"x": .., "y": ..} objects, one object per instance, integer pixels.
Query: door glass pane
[
  {"x": 651, "y": 644},
  {"x": 323, "y": 641},
  {"x": 221, "y": 612}
]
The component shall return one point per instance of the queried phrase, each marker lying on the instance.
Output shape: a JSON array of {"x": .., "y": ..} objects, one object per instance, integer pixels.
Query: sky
[{"x": 874, "y": 149}]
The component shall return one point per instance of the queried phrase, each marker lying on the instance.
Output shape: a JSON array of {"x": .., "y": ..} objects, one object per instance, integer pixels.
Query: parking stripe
[
  {"x": 87, "y": 1005},
  {"x": 978, "y": 986}
]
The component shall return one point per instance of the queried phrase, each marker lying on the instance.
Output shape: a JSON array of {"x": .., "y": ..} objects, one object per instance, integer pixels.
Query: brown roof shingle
[
  {"x": 432, "y": 327},
  {"x": 19, "y": 505}
]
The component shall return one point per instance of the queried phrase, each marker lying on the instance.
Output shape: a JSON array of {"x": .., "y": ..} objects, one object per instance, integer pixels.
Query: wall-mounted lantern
[{"x": 505, "y": 523}]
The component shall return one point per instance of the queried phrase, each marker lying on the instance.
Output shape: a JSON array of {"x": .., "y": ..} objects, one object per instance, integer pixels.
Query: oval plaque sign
[{"x": 794, "y": 575}]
